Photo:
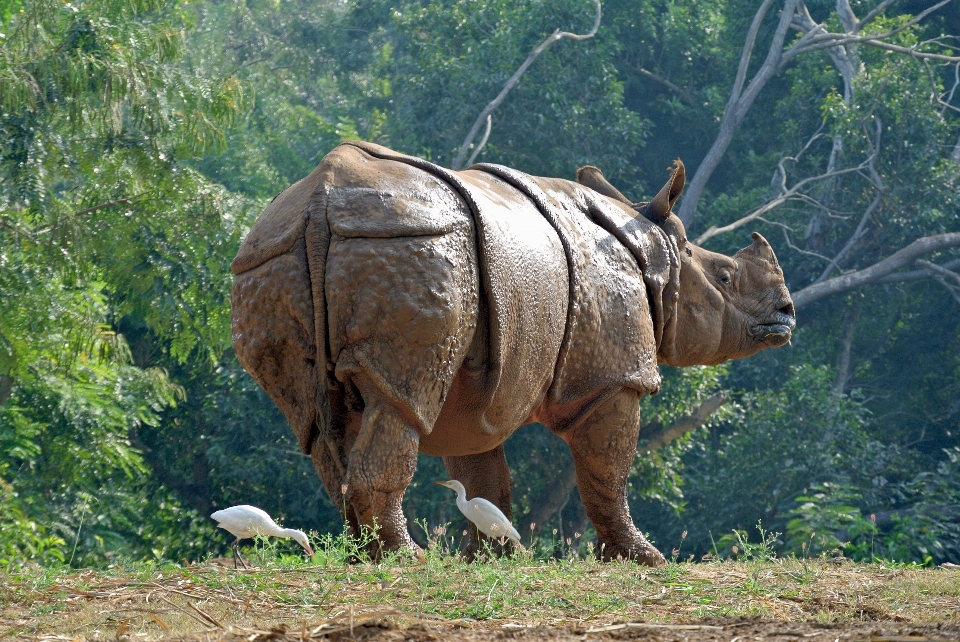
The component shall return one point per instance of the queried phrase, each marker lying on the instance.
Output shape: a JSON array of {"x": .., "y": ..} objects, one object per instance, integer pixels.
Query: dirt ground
[
  {"x": 779, "y": 601},
  {"x": 744, "y": 630}
]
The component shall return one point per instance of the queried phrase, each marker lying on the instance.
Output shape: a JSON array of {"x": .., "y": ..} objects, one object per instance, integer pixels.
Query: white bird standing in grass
[
  {"x": 489, "y": 519},
  {"x": 249, "y": 521}
]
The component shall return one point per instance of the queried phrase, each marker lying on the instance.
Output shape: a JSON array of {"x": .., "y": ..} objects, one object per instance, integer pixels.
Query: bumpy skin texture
[{"x": 390, "y": 306}]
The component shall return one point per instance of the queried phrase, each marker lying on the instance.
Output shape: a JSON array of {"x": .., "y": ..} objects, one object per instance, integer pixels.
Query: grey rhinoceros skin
[{"x": 390, "y": 306}]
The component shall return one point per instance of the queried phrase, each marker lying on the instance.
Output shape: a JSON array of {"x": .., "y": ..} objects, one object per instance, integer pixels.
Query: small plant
[{"x": 739, "y": 545}]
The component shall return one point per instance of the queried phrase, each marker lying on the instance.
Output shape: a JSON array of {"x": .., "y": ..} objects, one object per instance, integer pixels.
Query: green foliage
[
  {"x": 23, "y": 539},
  {"x": 830, "y": 512},
  {"x": 771, "y": 446},
  {"x": 103, "y": 228},
  {"x": 439, "y": 63},
  {"x": 921, "y": 527},
  {"x": 658, "y": 475}
]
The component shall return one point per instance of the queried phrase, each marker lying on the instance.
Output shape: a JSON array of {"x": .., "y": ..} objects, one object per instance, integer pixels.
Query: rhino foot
[
  {"x": 403, "y": 547},
  {"x": 636, "y": 549}
]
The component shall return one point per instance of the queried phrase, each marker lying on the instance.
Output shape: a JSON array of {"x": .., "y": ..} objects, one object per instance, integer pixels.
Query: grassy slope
[{"x": 158, "y": 600}]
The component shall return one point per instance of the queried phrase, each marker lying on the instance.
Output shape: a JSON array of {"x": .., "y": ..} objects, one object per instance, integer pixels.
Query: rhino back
[{"x": 279, "y": 226}]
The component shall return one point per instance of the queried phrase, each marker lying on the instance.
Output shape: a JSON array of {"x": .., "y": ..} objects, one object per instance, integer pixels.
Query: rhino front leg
[
  {"x": 603, "y": 449},
  {"x": 381, "y": 464},
  {"x": 484, "y": 475}
]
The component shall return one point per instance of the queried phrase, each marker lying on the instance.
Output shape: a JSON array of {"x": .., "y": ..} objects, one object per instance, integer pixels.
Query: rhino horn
[
  {"x": 658, "y": 210},
  {"x": 759, "y": 250}
]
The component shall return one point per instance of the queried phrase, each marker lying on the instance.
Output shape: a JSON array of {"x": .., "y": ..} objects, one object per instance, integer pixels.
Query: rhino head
[{"x": 727, "y": 307}]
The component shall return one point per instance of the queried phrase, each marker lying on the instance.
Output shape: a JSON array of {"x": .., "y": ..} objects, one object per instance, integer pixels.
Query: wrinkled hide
[{"x": 390, "y": 306}]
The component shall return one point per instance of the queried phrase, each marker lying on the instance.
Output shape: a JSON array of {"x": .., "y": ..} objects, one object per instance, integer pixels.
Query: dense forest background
[{"x": 139, "y": 139}]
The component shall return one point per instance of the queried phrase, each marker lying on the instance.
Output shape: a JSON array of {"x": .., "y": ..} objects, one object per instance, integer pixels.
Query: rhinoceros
[{"x": 389, "y": 306}]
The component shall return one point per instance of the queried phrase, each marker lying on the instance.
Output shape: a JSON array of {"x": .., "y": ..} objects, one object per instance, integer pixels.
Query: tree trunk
[
  {"x": 6, "y": 388},
  {"x": 846, "y": 345}
]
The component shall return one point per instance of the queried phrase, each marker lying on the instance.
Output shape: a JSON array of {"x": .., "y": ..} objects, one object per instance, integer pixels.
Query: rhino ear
[
  {"x": 592, "y": 177},
  {"x": 658, "y": 210}
]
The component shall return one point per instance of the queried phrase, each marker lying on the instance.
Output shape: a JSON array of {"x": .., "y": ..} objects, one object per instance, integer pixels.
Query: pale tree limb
[
  {"x": 685, "y": 95},
  {"x": 880, "y": 44},
  {"x": 557, "y": 495},
  {"x": 845, "y": 62},
  {"x": 860, "y": 231},
  {"x": 786, "y": 194},
  {"x": 939, "y": 269},
  {"x": 952, "y": 289},
  {"x": 656, "y": 436},
  {"x": 483, "y": 141},
  {"x": 815, "y": 37},
  {"x": 739, "y": 102},
  {"x": 940, "y": 275},
  {"x": 900, "y": 259},
  {"x": 916, "y": 275},
  {"x": 846, "y": 345},
  {"x": 556, "y": 36}
]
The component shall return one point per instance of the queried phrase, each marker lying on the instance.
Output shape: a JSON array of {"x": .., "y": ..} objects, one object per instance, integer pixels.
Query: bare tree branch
[
  {"x": 119, "y": 201},
  {"x": 556, "y": 36},
  {"x": 685, "y": 95},
  {"x": 875, "y": 272},
  {"x": 949, "y": 288},
  {"x": 815, "y": 37},
  {"x": 859, "y": 232},
  {"x": 873, "y": 14},
  {"x": 846, "y": 345},
  {"x": 739, "y": 102},
  {"x": 939, "y": 270},
  {"x": 785, "y": 195},
  {"x": 656, "y": 436},
  {"x": 553, "y": 500},
  {"x": 916, "y": 275},
  {"x": 838, "y": 39},
  {"x": 483, "y": 141}
]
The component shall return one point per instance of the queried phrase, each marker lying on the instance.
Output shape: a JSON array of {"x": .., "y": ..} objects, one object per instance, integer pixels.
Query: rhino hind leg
[
  {"x": 603, "y": 449},
  {"x": 381, "y": 462},
  {"x": 484, "y": 475}
]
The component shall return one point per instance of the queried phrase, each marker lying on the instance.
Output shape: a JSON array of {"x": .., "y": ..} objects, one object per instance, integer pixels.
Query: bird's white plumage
[
  {"x": 489, "y": 519},
  {"x": 245, "y": 521}
]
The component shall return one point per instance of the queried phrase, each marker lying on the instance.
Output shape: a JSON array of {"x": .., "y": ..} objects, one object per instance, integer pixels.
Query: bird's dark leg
[{"x": 236, "y": 554}]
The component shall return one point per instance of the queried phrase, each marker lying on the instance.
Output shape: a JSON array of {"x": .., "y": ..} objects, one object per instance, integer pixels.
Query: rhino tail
[{"x": 317, "y": 237}]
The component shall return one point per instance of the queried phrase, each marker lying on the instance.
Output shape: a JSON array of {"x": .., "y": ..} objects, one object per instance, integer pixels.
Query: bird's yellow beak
[{"x": 441, "y": 483}]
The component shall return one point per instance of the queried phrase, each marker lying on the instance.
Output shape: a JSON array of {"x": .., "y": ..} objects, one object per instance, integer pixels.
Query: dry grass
[{"x": 329, "y": 597}]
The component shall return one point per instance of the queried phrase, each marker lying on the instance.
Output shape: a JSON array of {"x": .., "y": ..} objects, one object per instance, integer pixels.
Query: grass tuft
[{"x": 155, "y": 599}]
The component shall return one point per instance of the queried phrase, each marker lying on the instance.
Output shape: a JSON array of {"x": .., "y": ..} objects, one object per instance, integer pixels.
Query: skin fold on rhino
[{"x": 389, "y": 306}]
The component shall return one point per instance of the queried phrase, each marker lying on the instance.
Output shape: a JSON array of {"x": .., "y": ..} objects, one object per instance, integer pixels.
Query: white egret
[
  {"x": 249, "y": 521},
  {"x": 489, "y": 519}
]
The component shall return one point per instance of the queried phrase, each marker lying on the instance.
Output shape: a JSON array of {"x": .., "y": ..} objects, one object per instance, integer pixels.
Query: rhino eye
[{"x": 724, "y": 277}]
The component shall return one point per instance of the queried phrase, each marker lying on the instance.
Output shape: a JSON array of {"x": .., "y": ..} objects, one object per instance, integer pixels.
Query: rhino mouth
[{"x": 778, "y": 329}]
